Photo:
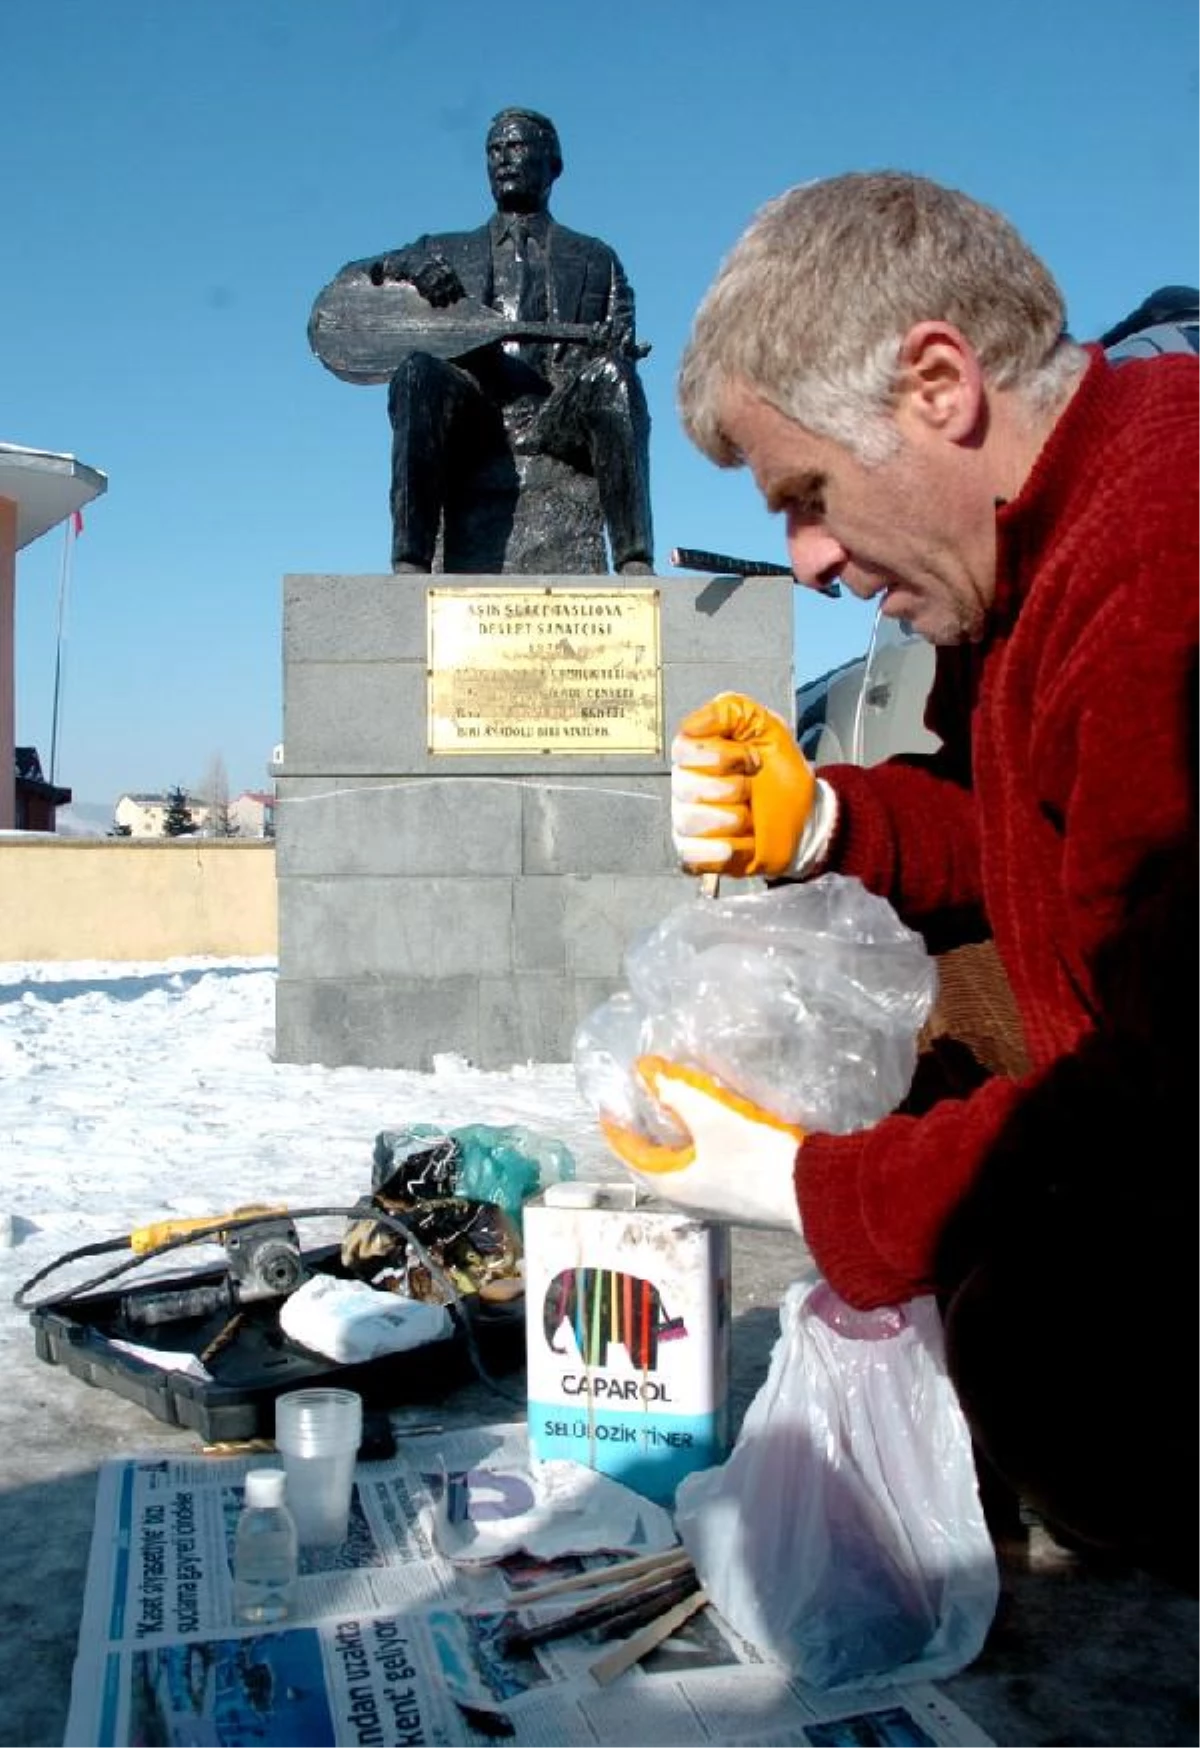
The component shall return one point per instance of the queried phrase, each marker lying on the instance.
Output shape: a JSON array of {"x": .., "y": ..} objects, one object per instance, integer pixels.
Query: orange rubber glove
[
  {"x": 742, "y": 792},
  {"x": 738, "y": 1163}
]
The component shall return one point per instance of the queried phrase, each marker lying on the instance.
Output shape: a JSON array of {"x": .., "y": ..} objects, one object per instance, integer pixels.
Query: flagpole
[{"x": 64, "y": 575}]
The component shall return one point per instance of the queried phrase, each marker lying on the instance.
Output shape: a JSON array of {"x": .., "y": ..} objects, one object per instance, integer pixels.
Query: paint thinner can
[{"x": 627, "y": 1335}]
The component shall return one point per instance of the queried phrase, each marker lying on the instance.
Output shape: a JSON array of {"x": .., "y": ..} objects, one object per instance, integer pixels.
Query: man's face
[
  {"x": 916, "y": 530},
  {"x": 519, "y": 166}
]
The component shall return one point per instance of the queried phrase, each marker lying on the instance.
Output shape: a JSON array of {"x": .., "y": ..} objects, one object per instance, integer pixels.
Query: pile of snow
[{"x": 136, "y": 1092}]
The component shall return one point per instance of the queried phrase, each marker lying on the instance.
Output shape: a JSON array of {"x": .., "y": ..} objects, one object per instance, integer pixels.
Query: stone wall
[{"x": 116, "y": 898}]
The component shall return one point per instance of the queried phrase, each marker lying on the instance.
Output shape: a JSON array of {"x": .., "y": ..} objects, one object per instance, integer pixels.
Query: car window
[{"x": 870, "y": 708}]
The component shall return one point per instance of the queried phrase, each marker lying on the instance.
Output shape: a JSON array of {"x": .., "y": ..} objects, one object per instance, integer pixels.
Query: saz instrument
[{"x": 362, "y": 331}]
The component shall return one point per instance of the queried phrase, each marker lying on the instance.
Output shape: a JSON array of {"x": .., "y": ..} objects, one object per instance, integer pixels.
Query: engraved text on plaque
[{"x": 544, "y": 670}]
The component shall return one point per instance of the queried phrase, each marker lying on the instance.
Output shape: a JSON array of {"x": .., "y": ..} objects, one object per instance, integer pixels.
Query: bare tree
[{"x": 215, "y": 791}]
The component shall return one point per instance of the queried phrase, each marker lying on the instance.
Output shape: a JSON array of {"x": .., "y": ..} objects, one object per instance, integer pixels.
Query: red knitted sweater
[{"x": 1064, "y": 767}]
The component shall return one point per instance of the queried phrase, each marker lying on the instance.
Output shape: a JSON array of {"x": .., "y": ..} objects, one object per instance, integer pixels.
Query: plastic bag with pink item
[{"x": 844, "y": 1534}]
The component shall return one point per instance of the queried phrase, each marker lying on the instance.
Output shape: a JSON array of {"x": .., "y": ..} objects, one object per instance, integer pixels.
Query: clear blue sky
[{"x": 183, "y": 176}]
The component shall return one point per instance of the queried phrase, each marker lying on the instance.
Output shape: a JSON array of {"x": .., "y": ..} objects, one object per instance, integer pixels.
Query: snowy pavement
[{"x": 131, "y": 1093}]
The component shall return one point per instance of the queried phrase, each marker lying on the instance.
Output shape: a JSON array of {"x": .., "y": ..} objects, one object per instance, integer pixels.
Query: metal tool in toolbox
[{"x": 206, "y": 1349}]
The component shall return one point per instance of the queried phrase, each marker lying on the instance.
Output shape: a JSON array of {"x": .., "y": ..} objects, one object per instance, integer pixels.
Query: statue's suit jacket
[
  {"x": 591, "y": 396},
  {"x": 585, "y": 280}
]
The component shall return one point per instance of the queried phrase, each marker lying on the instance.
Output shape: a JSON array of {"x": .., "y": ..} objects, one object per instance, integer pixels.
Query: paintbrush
[
  {"x": 650, "y": 1607},
  {"x": 650, "y": 1591}
]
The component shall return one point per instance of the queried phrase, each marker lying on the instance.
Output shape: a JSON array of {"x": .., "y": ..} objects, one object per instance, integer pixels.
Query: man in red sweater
[{"x": 890, "y": 360}]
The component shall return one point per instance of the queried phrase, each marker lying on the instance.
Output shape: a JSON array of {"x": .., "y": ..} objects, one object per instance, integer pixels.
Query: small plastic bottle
[{"x": 265, "y": 1551}]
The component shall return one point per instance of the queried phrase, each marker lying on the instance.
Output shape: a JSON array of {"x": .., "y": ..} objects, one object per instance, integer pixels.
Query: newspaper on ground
[{"x": 401, "y": 1635}]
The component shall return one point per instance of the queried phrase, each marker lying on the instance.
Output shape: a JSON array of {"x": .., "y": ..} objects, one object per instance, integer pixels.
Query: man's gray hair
[
  {"x": 811, "y": 305},
  {"x": 541, "y": 122}
]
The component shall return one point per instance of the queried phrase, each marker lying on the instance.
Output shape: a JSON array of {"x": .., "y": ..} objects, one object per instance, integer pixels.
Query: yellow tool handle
[{"x": 163, "y": 1231}]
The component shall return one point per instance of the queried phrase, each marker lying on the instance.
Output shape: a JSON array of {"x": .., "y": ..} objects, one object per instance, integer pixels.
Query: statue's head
[{"x": 523, "y": 158}]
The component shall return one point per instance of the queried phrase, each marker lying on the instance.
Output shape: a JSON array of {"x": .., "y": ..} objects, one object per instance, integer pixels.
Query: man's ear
[{"x": 941, "y": 381}]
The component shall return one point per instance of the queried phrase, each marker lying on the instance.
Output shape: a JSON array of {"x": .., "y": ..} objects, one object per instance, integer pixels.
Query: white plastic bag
[
  {"x": 806, "y": 999},
  {"x": 844, "y": 1535}
]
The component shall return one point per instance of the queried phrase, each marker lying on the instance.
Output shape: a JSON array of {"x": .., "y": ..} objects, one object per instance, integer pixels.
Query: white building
[
  {"x": 146, "y": 814},
  {"x": 253, "y": 813}
]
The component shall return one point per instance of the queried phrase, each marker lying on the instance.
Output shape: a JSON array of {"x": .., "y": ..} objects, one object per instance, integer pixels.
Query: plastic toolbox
[{"x": 90, "y": 1335}]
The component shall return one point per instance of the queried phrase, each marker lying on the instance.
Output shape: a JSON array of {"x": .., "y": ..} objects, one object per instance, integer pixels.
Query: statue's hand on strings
[
  {"x": 435, "y": 279},
  {"x": 438, "y": 283}
]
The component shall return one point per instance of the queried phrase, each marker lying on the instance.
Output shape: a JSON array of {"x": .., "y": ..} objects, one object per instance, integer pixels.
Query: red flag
[{"x": 77, "y": 523}]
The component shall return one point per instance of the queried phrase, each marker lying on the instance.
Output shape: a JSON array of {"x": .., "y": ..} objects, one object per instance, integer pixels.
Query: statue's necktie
[{"x": 531, "y": 277}]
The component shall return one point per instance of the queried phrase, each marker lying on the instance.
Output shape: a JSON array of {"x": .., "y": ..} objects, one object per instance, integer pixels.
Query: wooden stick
[
  {"x": 603, "y": 1611},
  {"x": 623, "y": 1657},
  {"x": 599, "y": 1575}
]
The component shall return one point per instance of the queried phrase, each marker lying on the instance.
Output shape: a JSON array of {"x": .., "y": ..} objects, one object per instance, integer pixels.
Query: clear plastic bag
[
  {"x": 807, "y": 999},
  {"x": 844, "y": 1535}
]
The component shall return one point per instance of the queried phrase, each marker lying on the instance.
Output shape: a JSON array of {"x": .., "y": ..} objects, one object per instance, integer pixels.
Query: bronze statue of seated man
[{"x": 511, "y": 360}]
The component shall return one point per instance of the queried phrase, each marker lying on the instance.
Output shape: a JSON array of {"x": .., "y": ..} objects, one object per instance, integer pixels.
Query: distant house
[
  {"x": 36, "y": 800},
  {"x": 144, "y": 814},
  {"x": 253, "y": 813}
]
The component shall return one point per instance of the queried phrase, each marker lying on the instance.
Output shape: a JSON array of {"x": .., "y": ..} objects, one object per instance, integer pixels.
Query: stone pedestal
[{"x": 477, "y": 905}]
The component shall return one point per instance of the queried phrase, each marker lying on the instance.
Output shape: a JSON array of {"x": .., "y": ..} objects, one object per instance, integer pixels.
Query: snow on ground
[{"x": 137, "y": 1092}]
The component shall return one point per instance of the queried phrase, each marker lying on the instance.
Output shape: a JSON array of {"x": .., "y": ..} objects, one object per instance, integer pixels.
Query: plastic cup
[{"x": 318, "y": 1433}]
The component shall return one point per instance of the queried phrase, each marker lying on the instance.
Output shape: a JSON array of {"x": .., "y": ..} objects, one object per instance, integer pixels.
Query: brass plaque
[{"x": 529, "y": 670}]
